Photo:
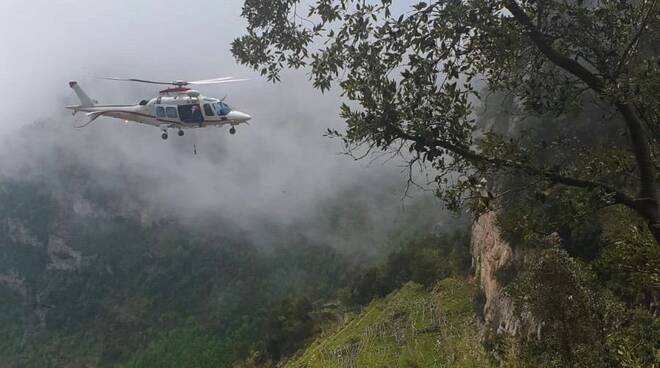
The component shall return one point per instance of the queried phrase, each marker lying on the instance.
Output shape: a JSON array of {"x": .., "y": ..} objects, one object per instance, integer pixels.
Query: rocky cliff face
[{"x": 490, "y": 255}]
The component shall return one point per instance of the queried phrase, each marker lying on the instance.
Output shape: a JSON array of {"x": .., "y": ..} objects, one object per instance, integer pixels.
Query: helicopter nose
[{"x": 240, "y": 116}]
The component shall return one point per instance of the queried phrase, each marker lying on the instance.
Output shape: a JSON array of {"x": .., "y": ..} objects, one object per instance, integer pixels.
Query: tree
[
  {"x": 414, "y": 77},
  {"x": 576, "y": 323}
]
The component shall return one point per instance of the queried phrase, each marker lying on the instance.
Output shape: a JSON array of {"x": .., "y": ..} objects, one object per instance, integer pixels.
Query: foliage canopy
[{"x": 414, "y": 76}]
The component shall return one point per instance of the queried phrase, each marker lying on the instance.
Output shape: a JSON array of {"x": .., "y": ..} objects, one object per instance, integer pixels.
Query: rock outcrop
[
  {"x": 15, "y": 282},
  {"x": 490, "y": 255},
  {"x": 62, "y": 256}
]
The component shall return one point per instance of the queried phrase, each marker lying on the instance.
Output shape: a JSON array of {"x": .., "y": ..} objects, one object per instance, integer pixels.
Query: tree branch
[
  {"x": 647, "y": 204},
  {"x": 477, "y": 158},
  {"x": 635, "y": 38},
  {"x": 558, "y": 59}
]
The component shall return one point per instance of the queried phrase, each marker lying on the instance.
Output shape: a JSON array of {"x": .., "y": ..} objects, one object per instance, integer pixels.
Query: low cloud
[{"x": 279, "y": 168}]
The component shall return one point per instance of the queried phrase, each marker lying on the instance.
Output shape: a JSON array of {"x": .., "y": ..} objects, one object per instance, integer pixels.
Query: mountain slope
[{"x": 410, "y": 327}]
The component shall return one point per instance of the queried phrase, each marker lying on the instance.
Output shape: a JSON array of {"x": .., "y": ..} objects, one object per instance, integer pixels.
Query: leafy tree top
[{"x": 414, "y": 77}]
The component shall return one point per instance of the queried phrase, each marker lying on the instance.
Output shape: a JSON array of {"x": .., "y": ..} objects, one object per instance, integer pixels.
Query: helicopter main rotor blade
[
  {"x": 217, "y": 81},
  {"x": 212, "y": 79},
  {"x": 179, "y": 83},
  {"x": 138, "y": 80}
]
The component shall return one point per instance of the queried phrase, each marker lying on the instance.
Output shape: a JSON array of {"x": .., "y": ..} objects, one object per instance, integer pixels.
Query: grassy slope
[{"x": 409, "y": 328}]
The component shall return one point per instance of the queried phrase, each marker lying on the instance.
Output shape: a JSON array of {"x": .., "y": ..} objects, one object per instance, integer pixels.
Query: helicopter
[{"x": 176, "y": 107}]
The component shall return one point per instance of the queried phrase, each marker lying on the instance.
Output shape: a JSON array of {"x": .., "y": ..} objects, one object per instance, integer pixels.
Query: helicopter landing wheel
[
  {"x": 232, "y": 130},
  {"x": 180, "y": 133},
  {"x": 164, "y": 136}
]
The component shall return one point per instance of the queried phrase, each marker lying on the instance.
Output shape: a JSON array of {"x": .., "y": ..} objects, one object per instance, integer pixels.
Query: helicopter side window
[
  {"x": 160, "y": 111},
  {"x": 208, "y": 110},
  {"x": 185, "y": 112},
  {"x": 191, "y": 113},
  {"x": 171, "y": 112}
]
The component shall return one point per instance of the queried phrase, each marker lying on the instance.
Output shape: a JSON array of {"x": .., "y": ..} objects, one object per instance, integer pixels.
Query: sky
[{"x": 279, "y": 166}]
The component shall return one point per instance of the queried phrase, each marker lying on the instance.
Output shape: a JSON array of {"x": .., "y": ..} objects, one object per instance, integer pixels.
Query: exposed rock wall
[
  {"x": 490, "y": 254},
  {"x": 14, "y": 281},
  {"x": 62, "y": 256}
]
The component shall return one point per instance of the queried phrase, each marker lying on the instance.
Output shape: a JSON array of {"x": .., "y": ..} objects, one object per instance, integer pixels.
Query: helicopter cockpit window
[
  {"x": 208, "y": 110},
  {"x": 221, "y": 108},
  {"x": 160, "y": 111},
  {"x": 171, "y": 112}
]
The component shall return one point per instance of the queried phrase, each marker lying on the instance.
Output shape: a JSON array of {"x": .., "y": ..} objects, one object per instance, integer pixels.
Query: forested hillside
[
  {"x": 94, "y": 274},
  {"x": 410, "y": 327},
  {"x": 92, "y": 292}
]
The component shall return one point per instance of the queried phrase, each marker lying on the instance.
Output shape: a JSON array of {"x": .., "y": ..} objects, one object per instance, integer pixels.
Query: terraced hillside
[{"x": 411, "y": 327}]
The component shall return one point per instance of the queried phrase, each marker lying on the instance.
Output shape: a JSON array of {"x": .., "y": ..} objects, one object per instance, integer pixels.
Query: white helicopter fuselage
[{"x": 178, "y": 108}]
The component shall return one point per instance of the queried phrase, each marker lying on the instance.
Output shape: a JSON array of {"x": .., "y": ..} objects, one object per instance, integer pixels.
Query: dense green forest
[
  {"x": 91, "y": 278},
  {"x": 103, "y": 287}
]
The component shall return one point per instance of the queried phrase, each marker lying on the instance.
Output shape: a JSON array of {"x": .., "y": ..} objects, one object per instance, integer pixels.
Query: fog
[{"x": 279, "y": 167}]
